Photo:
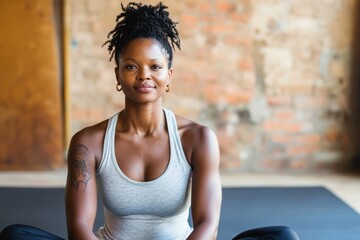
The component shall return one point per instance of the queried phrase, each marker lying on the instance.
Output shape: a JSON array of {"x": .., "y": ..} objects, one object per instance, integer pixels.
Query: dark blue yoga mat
[{"x": 314, "y": 212}]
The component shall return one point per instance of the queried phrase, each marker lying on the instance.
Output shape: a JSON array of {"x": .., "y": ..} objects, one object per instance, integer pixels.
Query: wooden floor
[{"x": 346, "y": 187}]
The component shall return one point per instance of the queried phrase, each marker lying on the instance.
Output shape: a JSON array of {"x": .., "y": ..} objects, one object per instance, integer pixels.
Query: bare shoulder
[
  {"x": 89, "y": 140},
  {"x": 197, "y": 140},
  {"x": 91, "y": 132},
  {"x": 194, "y": 129}
]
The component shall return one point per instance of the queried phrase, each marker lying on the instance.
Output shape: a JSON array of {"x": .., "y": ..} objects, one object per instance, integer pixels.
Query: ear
[
  {"x": 170, "y": 72},
  {"x": 117, "y": 74}
]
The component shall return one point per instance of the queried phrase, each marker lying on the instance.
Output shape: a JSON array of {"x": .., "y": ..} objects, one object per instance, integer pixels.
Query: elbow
[
  {"x": 213, "y": 230},
  {"x": 80, "y": 232},
  {"x": 215, "y": 233},
  {"x": 205, "y": 230}
]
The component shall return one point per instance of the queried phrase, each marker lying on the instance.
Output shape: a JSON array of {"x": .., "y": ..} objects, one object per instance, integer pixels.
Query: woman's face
[{"x": 143, "y": 71}]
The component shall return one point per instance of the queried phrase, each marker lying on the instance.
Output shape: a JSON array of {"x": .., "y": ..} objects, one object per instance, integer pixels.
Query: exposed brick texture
[{"x": 269, "y": 77}]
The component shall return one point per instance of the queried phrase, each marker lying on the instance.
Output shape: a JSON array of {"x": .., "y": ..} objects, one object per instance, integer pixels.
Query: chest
[{"x": 142, "y": 158}]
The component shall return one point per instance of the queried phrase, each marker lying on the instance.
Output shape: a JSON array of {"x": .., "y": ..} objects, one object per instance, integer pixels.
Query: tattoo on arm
[{"x": 79, "y": 170}]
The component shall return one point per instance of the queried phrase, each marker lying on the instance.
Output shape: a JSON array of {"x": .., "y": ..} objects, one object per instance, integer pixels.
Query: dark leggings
[
  {"x": 24, "y": 232},
  {"x": 268, "y": 233}
]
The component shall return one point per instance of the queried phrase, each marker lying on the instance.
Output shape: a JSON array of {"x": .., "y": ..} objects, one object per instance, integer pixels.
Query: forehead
[{"x": 144, "y": 47}]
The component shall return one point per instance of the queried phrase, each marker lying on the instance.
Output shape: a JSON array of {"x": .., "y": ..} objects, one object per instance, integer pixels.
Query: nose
[{"x": 143, "y": 74}]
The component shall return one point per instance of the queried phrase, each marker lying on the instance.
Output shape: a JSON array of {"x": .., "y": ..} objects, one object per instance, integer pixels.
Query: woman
[
  {"x": 143, "y": 159},
  {"x": 148, "y": 164}
]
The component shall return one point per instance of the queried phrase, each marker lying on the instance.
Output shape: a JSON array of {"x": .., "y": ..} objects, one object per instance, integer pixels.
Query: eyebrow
[{"x": 131, "y": 59}]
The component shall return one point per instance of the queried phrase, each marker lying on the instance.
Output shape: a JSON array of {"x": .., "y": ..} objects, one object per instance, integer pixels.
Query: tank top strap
[
  {"x": 174, "y": 136},
  {"x": 108, "y": 144}
]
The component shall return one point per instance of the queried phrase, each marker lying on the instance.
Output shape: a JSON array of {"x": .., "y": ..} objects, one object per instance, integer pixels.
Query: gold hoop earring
[
  {"x": 118, "y": 87},
  {"x": 168, "y": 87}
]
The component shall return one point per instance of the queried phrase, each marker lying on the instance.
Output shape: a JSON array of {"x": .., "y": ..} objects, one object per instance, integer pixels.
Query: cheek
[
  {"x": 125, "y": 76},
  {"x": 165, "y": 76}
]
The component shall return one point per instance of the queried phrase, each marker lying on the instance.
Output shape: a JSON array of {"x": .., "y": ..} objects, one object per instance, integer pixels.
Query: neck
[{"x": 143, "y": 119}]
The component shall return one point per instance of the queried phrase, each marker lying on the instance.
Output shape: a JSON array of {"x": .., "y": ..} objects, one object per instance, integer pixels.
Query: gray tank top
[{"x": 156, "y": 209}]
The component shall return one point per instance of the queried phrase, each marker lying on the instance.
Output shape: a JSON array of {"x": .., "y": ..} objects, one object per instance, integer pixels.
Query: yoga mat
[{"x": 314, "y": 212}]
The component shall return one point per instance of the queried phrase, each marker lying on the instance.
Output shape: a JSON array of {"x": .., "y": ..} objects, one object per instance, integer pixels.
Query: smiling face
[{"x": 143, "y": 71}]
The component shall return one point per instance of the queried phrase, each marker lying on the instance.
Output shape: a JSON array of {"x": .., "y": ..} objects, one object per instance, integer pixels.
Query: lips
[{"x": 145, "y": 88}]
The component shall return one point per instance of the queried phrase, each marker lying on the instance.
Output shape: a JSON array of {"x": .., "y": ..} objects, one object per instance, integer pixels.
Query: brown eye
[
  {"x": 156, "y": 67},
  {"x": 130, "y": 67}
]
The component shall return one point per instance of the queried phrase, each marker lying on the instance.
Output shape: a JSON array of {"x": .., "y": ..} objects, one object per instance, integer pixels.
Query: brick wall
[{"x": 269, "y": 77}]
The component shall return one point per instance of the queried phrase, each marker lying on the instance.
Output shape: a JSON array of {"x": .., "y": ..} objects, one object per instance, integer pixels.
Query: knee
[
  {"x": 11, "y": 231},
  {"x": 289, "y": 233},
  {"x": 280, "y": 232}
]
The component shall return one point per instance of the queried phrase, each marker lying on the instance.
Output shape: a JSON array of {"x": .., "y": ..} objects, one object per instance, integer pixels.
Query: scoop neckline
[{"x": 118, "y": 168}]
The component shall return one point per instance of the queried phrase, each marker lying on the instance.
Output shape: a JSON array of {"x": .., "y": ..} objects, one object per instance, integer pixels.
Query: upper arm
[
  {"x": 81, "y": 193},
  {"x": 206, "y": 185}
]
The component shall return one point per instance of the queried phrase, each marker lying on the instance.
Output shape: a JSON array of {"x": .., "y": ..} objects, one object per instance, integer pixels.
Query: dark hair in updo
[{"x": 143, "y": 21}]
